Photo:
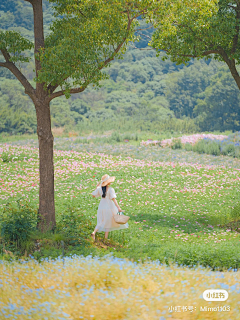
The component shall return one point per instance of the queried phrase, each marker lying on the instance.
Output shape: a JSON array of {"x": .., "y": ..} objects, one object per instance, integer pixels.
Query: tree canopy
[{"x": 199, "y": 29}]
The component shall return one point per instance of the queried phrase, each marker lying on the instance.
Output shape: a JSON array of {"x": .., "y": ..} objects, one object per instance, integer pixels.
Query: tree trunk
[
  {"x": 45, "y": 138},
  {"x": 46, "y": 167},
  {"x": 231, "y": 63},
  {"x": 236, "y": 76}
]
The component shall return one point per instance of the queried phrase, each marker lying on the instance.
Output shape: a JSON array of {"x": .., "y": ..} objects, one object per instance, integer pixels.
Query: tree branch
[
  {"x": 231, "y": 6},
  {"x": 232, "y": 66},
  {"x": 143, "y": 49},
  {"x": 144, "y": 35},
  {"x": 51, "y": 88},
  {"x": 143, "y": 28},
  {"x": 61, "y": 92},
  {"x": 17, "y": 73},
  {"x": 6, "y": 55},
  {"x": 3, "y": 64},
  {"x": 205, "y": 53}
]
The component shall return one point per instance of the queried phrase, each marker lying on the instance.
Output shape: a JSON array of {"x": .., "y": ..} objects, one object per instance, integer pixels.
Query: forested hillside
[{"x": 142, "y": 92}]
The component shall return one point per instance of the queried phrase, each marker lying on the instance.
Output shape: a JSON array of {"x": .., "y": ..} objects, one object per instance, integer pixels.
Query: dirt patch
[{"x": 102, "y": 243}]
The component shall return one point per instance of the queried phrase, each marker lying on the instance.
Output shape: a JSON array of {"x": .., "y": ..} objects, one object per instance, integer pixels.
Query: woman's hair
[{"x": 104, "y": 190}]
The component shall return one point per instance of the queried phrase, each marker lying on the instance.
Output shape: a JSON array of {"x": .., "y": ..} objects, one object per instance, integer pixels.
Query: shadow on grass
[{"x": 189, "y": 223}]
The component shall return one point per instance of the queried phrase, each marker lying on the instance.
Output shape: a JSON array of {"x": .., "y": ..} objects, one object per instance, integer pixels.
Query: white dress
[{"x": 106, "y": 211}]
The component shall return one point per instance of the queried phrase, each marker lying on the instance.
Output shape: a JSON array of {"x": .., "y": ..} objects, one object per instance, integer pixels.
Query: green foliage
[
  {"x": 116, "y": 136},
  {"x": 228, "y": 150},
  {"x": 184, "y": 87},
  {"x": 176, "y": 144},
  {"x": 143, "y": 92},
  {"x": 8, "y": 156},
  {"x": 227, "y": 147},
  {"x": 186, "y": 28},
  {"x": 74, "y": 226},
  {"x": 18, "y": 222},
  {"x": 199, "y": 29},
  {"x": 188, "y": 146},
  {"x": 15, "y": 44},
  {"x": 17, "y": 114},
  {"x": 235, "y": 213},
  {"x": 207, "y": 146},
  {"x": 218, "y": 106},
  {"x": 84, "y": 36}
]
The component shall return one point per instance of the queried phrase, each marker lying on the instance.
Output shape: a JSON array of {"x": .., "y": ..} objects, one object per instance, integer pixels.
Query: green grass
[{"x": 178, "y": 211}]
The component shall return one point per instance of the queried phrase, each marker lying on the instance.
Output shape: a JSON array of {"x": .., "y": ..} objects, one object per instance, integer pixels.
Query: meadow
[{"x": 183, "y": 210}]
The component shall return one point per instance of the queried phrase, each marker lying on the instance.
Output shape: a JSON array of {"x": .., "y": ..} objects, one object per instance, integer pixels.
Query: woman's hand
[{"x": 120, "y": 210}]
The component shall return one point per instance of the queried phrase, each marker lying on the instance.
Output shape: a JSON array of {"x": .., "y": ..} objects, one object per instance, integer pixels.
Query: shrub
[
  {"x": 207, "y": 146},
  {"x": 237, "y": 153},
  {"x": 188, "y": 146},
  {"x": 213, "y": 148},
  {"x": 235, "y": 213},
  {"x": 17, "y": 223},
  {"x": 74, "y": 226},
  {"x": 7, "y": 157},
  {"x": 199, "y": 147},
  {"x": 127, "y": 136},
  {"x": 228, "y": 150},
  {"x": 176, "y": 144},
  {"x": 116, "y": 137}
]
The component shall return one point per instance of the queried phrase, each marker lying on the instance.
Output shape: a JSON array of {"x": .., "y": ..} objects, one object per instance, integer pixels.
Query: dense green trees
[
  {"x": 142, "y": 88},
  {"x": 219, "y": 106}
]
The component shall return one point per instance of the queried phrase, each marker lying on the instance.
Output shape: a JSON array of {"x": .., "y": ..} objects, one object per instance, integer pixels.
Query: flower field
[
  {"x": 151, "y": 152},
  {"x": 181, "y": 214},
  {"x": 179, "y": 211},
  {"x": 90, "y": 288},
  {"x": 192, "y": 139}
]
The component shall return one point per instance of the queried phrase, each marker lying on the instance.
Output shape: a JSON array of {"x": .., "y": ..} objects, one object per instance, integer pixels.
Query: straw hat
[{"x": 106, "y": 179}]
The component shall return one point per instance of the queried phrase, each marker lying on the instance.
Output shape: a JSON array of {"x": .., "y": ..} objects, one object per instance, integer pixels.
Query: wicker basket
[{"x": 121, "y": 218}]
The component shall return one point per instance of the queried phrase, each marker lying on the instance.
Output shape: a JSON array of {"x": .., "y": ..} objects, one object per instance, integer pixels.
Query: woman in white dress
[{"x": 107, "y": 208}]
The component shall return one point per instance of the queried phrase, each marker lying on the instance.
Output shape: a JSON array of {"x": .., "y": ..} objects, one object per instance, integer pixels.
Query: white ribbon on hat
[{"x": 104, "y": 180}]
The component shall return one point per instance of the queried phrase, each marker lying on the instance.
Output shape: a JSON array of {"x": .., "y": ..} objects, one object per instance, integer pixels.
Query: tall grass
[{"x": 129, "y": 125}]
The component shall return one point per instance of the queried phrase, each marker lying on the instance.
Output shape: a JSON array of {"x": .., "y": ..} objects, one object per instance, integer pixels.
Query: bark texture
[
  {"x": 46, "y": 167},
  {"x": 45, "y": 138}
]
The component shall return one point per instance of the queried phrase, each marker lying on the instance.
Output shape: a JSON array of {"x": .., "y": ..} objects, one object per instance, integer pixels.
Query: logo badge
[{"x": 215, "y": 295}]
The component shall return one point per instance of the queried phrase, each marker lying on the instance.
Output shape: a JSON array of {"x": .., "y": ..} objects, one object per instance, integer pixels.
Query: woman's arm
[
  {"x": 96, "y": 193},
  {"x": 116, "y": 204}
]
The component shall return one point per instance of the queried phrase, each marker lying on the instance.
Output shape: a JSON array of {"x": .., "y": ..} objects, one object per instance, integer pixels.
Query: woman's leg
[
  {"x": 94, "y": 232},
  {"x": 106, "y": 235}
]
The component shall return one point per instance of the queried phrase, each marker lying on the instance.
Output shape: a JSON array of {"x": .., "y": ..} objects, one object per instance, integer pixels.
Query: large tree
[
  {"x": 85, "y": 37},
  {"x": 189, "y": 29}
]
